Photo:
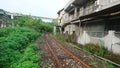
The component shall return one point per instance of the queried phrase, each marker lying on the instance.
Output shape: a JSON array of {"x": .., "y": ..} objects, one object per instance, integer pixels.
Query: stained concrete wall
[
  {"x": 110, "y": 41},
  {"x": 106, "y": 2},
  {"x": 70, "y": 28},
  {"x": 83, "y": 38},
  {"x": 103, "y": 4},
  {"x": 60, "y": 18}
]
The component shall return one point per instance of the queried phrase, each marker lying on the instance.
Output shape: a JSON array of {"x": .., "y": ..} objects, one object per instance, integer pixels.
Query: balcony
[
  {"x": 72, "y": 3},
  {"x": 79, "y": 2},
  {"x": 110, "y": 4}
]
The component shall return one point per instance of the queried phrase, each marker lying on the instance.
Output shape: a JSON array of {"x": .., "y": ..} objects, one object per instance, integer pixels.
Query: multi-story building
[
  {"x": 92, "y": 21},
  {"x": 4, "y": 18}
]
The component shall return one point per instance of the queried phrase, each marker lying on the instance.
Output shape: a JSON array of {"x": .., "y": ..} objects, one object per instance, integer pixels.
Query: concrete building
[
  {"x": 92, "y": 21},
  {"x": 5, "y": 19},
  {"x": 2, "y": 18}
]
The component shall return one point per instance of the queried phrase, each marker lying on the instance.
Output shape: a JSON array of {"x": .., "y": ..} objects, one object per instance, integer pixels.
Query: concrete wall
[
  {"x": 83, "y": 38},
  {"x": 110, "y": 41},
  {"x": 70, "y": 28},
  {"x": 106, "y": 2},
  {"x": 103, "y": 4},
  {"x": 60, "y": 18}
]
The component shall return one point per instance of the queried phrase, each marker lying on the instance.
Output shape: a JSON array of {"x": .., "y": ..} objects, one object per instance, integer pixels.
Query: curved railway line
[{"x": 62, "y": 57}]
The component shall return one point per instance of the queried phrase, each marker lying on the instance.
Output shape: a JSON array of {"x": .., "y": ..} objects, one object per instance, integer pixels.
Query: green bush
[
  {"x": 37, "y": 24},
  {"x": 13, "y": 44},
  {"x": 5, "y": 31},
  {"x": 27, "y": 64},
  {"x": 14, "y": 49},
  {"x": 29, "y": 57},
  {"x": 30, "y": 54},
  {"x": 97, "y": 49}
]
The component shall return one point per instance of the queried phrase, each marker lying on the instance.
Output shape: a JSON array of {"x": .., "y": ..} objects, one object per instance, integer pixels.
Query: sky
[{"x": 44, "y": 8}]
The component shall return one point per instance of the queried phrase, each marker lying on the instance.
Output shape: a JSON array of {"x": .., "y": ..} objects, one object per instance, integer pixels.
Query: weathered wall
[
  {"x": 83, "y": 38},
  {"x": 106, "y": 2},
  {"x": 110, "y": 41},
  {"x": 70, "y": 28}
]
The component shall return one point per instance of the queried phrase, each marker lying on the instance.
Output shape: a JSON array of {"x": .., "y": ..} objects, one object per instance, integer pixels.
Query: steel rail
[
  {"x": 71, "y": 54},
  {"x": 59, "y": 65}
]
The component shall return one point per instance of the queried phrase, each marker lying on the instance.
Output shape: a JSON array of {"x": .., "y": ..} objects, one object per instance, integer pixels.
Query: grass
[
  {"x": 100, "y": 51},
  {"x": 109, "y": 65},
  {"x": 59, "y": 37},
  {"x": 94, "y": 63},
  {"x": 113, "y": 57}
]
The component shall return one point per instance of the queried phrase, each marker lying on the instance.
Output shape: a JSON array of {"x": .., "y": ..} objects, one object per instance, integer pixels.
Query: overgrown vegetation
[
  {"x": 37, "y": 24},
  {"x": 59, "y": 37},
  {"x": 13, "y": 42},
  {"x": 28, "y": 59},
  {"x": 16, "y": 43},
  {"x": 101, "y": 51},
  {"x": 96, "y": 49}
]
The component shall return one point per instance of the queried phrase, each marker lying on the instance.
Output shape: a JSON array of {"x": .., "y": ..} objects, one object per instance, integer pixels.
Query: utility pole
[{"x": 12, "y": 17}]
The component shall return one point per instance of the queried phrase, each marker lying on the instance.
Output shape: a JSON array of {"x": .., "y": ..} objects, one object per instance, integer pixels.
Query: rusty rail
[
  {"x": 58, "y": 63},
  {"x": 71, "y": 54}
]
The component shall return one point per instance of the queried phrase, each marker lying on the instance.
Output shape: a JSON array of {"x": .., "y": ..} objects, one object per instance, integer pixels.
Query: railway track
[
  {"x": 55, "y": 58},
  {"x": 62, "y": 57}
]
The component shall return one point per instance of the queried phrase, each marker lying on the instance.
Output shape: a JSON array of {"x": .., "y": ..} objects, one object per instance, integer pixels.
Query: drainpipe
[
  {"x": 12, "y": 17},
  {"x": 69, "y": 29},
  {"x": 79, "y": 27},
  {"x": 85, "y": 25}
]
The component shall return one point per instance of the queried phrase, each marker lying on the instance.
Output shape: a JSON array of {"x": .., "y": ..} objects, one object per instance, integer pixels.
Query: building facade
[
  {"x": 5, "y": 19},
  {"x": 2, "y": 18},
  {"x": 92, "y": 21}
]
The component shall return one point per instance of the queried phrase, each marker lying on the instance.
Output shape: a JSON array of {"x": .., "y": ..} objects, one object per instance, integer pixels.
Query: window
[{"x": 113, "y": 1}]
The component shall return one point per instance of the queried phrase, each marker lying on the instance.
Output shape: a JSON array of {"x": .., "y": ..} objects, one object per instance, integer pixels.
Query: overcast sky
[{"x": 45, "y": 8}]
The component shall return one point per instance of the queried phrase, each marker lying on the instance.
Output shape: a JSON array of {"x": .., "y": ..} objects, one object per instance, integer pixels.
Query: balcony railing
[{"x": 83, "y": 11}]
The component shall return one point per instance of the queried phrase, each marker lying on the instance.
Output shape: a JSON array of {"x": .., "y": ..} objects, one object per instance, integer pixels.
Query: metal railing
[{"x": 98, "y": 34}]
